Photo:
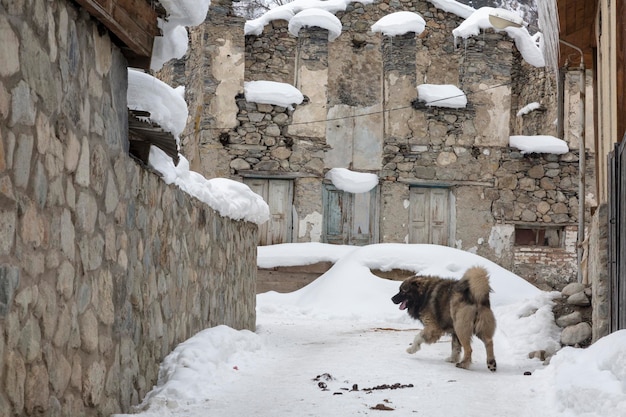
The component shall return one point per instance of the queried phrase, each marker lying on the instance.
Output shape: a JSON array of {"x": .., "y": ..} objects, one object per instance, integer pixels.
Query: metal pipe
[
  {"x": 581, "y": 168},
  {"x": 581, "y": 162}
]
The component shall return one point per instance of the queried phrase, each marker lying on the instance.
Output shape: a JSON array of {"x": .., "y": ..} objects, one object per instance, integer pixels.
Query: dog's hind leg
[
  {"x": 456, "y": 349},
  {"x": 491, "y": 359},
  {"x": 467, "y": 351},
  {"x": 485, "y": 328},
  {"x": 464, "y": 329}
]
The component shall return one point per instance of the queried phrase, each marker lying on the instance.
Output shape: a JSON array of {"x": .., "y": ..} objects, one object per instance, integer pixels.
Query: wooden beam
[
  {"x": 620, "y": 56},
  {"x": 133, "y": 22}
]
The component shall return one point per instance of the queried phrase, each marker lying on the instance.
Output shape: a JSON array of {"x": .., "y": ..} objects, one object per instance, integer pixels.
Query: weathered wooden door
[
  {"x": 429, "y": 215},
  {"x": 350, "y": 219},
  {"x": 278, "y": 194}
]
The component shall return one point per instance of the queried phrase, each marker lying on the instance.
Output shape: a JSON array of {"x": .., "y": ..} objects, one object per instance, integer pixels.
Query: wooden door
[
  {"x": 429, "y": 215},
  {"x": 350, "y": 219},
  {"x": 278, "y": 194}
]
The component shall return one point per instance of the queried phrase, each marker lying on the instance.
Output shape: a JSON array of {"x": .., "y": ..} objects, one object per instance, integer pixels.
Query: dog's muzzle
[{"x": 399, "y": 299}]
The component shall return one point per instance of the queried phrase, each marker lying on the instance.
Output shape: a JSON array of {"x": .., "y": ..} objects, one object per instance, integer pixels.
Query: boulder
[
  {"x": 575, "y": 335},
  {"x": 569, "y": 319}
]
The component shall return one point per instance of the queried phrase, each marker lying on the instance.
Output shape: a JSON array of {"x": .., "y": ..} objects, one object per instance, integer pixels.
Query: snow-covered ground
[{"x": 337, "y": 348}]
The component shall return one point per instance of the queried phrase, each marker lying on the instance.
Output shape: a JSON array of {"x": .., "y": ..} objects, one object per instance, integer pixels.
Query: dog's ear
[
  {"x": 411, "y": 285},
  {"x": 415, "y": 283}
]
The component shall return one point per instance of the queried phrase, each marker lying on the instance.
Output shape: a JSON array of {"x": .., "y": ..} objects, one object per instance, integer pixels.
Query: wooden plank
[
  {"x": 134, "y": 22},
  {"x": 363, "y": 219},
  {"x": 419, "y": 207},
  {"x": 335, "y": 216},
  {"x": 440, "y": 214},
  {"x": 612, "y": 237},
  {"x": 577, "y": 16},
  {"x": 570, "y": 20},
  {"x": 617, "y": 237},
  {"x": 260, "y": 187},
  {"x": 620, "y": 51},
  {"x": 280, "y": 202},
  {"x": 621, "y": 245}
]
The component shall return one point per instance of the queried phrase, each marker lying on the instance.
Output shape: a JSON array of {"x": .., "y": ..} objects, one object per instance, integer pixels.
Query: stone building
[{"x": 446, "y": 175}]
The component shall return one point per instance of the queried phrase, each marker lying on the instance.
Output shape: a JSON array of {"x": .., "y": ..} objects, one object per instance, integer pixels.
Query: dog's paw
[
  {"x": 463, "y": 365},
  {"x": 413, "y": 348},
  {"x": 452, "y": 359},
  {"x": 491, "y": 364}
]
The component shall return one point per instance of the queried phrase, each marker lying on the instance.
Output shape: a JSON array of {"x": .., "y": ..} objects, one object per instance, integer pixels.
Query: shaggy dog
[{"x": 460, "y": 308}]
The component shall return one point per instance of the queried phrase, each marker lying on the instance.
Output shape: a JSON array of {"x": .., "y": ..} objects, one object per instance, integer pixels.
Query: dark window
[{"x": 538, "y": 236}]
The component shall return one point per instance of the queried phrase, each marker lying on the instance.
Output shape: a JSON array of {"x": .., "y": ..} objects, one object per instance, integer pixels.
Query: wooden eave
[
  {"x": 133, "y": 22},
  {"x": 142, "y": 134},
  {"x": 577, "y": 23}
]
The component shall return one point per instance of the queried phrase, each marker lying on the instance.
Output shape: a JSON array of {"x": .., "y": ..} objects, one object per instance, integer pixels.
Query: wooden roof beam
[{"x": 133, "y": 22}]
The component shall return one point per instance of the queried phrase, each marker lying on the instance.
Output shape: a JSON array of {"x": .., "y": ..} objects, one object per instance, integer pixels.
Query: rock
[
  {"x": 569, "y": 319},
  {"x": 239, "y": 164},
  {"x": 578, "y": 299},
  {"x": 572, "y": 289},
  {"x": 573, "y": 335}
]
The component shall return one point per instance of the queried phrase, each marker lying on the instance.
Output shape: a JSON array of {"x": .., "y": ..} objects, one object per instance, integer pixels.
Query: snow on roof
[
  {"x": 531, "y": 47},
  {"x": 173, "y": 43},
  {"x": 166, "y": 105},
  {"x": 444, "y": 95},
  {"x": 168, "y": 109},
  {"x": 272, "y": 92},
  {"x": 351, "y": 181},
  {"x": 316, "y": 18},
  {"x": 539, "y": 144},
  {"x": 399, "y": 23},
  {"x": 287, "y": 11}
]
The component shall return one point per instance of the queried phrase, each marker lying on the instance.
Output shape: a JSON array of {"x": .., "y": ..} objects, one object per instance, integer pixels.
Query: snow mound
[
  {"x": 350, "y": 289},
  {"x": 592, "y": 382}
]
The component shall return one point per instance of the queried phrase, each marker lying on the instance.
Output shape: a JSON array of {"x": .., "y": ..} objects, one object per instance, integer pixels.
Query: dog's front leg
[{"x": 417, "y": 343}]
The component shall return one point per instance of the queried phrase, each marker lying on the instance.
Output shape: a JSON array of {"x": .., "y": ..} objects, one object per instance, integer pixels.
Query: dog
[{"x": 460, "y": 308}]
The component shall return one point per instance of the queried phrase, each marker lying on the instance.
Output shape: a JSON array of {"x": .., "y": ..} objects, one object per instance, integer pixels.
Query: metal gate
[{"x": 617, "y": 235}]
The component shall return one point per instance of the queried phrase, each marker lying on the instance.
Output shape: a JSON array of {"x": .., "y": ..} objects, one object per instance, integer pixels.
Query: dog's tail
[{"x": 476, "y": 280}]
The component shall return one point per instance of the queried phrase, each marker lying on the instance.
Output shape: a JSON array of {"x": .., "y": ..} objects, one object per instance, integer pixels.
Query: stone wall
[{"x": 104, "y": 268}]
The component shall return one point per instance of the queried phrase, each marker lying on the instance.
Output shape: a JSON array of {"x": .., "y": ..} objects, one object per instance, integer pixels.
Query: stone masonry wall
[{"x": 104, "y": 268}]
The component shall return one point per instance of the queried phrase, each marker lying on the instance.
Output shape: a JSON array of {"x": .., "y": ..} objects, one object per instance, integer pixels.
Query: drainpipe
[{"x": 581, "y": 164}]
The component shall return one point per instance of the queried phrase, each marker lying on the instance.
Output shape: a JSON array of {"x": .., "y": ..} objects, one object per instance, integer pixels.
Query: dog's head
[
  {"x": 405, "y": 297},
  {"x": 410, "y": 296}
]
